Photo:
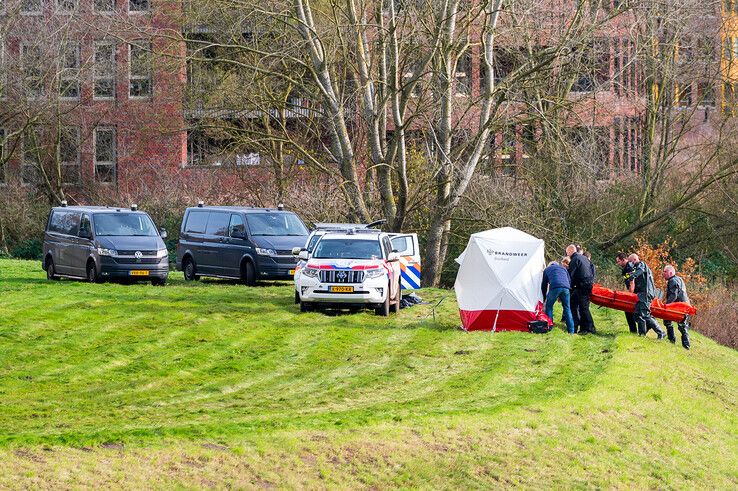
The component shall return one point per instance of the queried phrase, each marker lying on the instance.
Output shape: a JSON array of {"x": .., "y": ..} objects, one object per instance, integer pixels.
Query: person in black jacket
[
  {"x": 676, "y": 291},
  {"x": 644, "y": 287},
  {"x": 582, "y": 280},
  {"x": 627, "y": 269}
]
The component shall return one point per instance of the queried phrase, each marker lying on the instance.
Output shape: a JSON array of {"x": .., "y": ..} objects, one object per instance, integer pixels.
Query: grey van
[
  {"x": 248, "y": 244},
  {"x": 97, "y": 243}
]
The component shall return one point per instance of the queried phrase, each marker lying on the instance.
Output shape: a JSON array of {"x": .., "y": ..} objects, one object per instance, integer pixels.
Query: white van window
[
  {"x": 197, "y": 221},
  {"x": 404, "y": 246}
]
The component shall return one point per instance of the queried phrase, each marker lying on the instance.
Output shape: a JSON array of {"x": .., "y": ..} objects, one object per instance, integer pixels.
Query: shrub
[
  {"x": 719, "y": 319},
  {"x": 28, "y": 249}
]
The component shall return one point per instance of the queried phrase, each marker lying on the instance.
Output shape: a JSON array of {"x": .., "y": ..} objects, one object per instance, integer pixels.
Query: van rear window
[
  {"x": 196, "y": 222},
  {"x": 64, "y": 222}
]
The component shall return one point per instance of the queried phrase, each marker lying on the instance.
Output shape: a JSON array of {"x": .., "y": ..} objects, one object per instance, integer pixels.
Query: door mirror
[
  {"x": 85, "y": 234},
  {"x": 303, "y": 254},
  {"x": 296, "y": 250},
  {"x": 163, "y": 233},
  {"x": 238, "y": 233}
]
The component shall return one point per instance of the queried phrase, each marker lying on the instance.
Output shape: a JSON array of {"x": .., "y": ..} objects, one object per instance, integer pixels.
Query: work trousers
[
  {"x": 643, "y": 317},
  {"x": 583, "y": 321},
  {"x": 683, "y": 329},
  {"x": 630, "y": 319}
]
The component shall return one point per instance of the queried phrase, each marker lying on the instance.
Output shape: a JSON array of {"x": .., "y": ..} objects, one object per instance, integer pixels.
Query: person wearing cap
[{"x": 676, "y": 291}]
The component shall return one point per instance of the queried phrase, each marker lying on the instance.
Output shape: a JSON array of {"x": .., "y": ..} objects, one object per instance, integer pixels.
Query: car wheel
[
  {"x": 248, "y": 275},
  {"x": 92, "y": 273},
  {"x": 384, "y": 310},
  {"x": 51, "y": 270},
  {"x": 189, "y": 270},
  {"x": 159, "y": 281},
  {"x": 297, "y": 297},
  {"x": 305, "y": 307}
]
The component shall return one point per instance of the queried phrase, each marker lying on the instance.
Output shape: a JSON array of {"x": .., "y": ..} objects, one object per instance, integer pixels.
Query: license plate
[
  {"x": 341, "y": 289},
  {"x": 138, "y": 272},
  {"x": 292, "y": 272}
]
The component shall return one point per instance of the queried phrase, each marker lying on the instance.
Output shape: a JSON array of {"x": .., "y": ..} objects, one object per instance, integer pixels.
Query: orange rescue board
[{"x": 626, "y": 302}]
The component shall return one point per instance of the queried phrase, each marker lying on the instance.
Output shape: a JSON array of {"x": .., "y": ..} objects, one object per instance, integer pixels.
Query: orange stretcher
[{"x": 626, "y": 302}]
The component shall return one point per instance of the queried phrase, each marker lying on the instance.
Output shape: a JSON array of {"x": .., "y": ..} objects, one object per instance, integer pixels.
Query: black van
[
  {"x": 249, "y": 244},
  {"x": 97, "y": 243}
]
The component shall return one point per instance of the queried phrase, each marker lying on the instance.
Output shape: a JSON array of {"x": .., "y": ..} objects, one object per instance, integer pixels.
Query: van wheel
[
  {"x": 248, "y": 273},
  {"x": 384, "y": 310},
  {"x": 190, "y": 273},
  {"x": 92, "y": 273},
  {"x": 51, "y": 270}
]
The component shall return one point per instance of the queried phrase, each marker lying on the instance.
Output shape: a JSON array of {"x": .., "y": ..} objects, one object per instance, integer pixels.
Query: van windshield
[
  {"x": 275, "y": 224},
  {"x": 348, "y": 249},
  {"x": 124, "y": 224}
]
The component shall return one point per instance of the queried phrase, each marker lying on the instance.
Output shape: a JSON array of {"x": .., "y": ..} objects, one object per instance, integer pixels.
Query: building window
[
  {"x": 69, "y": 154},
  {"x": 139, "y": 61},
  {"x": 139, "y": 5},
  {"x": 706, "y": 94},
  {"x": 105, "y": 155},
  {"x": 66, "y": 5},
  {"x": 103, "y": 5},
  {"x": 104, "y": 68},
  {"x": 31, "y": 156},
  {"x": 32, "y": 7},
  {"x": 69, "y": 73},
  {"x": 3, "y": 178},
  {"x": 464, "y": 75},
  {"x": 32, "y": 71},
  {"x": 729, "y": 97}
]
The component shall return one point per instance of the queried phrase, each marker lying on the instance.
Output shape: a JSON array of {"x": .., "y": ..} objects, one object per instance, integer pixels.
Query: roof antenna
[
  {"x": 134, "y": 207},
  {"x": 280, "y": 206},
  {"x": 64, "y": 203},
  {"x": 200, "y": 204}
]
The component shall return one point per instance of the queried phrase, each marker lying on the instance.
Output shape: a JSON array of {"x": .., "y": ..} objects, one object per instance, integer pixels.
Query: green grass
[{"x": 216, "y": 384}]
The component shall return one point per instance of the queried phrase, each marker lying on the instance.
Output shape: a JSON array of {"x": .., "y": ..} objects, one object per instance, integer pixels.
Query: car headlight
[
  {"x": 375, "y": 273},
  {"x": 310, "y": 272},
  {"x": 101, "y": 251},
  {"x": 162, "y": 253},
  {"x": 266, "y": 252}
]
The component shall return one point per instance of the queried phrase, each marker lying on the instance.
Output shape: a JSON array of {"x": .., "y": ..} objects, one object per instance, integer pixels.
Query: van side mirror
[
  {"x": 163, "y": 233},
  {"x": 296, "y": 251},
  {"x": 238, "y": 233},
  {"x": 85, "y": 234},
  {"x": 303, "y": 255}
]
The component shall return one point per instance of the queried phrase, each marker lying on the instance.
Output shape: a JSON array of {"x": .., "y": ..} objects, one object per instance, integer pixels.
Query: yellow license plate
[
  {"x": 341, "y": 289},
  {"x": 138, "y": 272},
  {"x": 292, "y": 272}
]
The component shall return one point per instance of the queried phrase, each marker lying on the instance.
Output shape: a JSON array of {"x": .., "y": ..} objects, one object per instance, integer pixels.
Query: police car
[{"x": 358, "y": 268}]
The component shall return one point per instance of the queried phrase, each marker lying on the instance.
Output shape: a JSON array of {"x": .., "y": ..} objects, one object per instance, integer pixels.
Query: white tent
[{"x": 498, "y": 286}]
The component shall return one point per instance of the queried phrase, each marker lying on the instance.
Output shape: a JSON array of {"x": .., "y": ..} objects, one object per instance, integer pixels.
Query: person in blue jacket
[{"x": 556, "y": 285}]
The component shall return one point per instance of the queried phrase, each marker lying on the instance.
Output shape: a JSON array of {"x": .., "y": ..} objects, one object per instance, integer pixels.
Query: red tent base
[{"x": 507, "y": 320}]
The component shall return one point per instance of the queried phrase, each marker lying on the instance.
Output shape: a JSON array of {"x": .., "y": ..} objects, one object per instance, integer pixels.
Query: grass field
[{"x": 217, "y": 384}]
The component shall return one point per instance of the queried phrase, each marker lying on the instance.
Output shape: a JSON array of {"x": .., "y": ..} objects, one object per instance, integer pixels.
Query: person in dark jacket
[
  {"x": 676, "y": 291},
  {"x": 556, "y": 285},
  {"x": 627, "y": 269},
  {"x": 643, "y": 286},
  {"x": 582, "y": 280}
]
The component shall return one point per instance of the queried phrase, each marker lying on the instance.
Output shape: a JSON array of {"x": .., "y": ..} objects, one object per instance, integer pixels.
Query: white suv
[{"x": 351, "y": 268}]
